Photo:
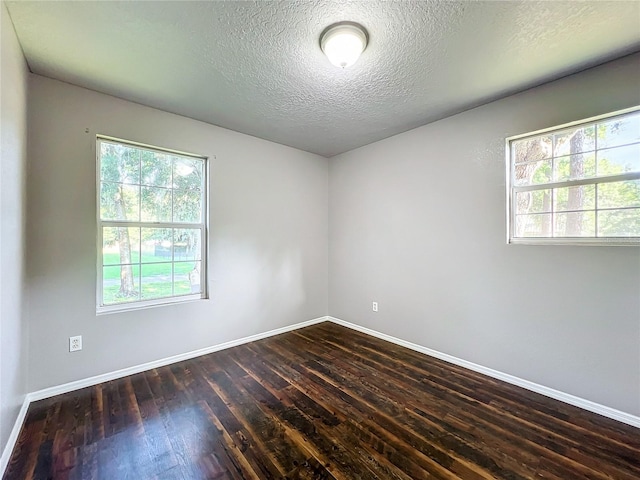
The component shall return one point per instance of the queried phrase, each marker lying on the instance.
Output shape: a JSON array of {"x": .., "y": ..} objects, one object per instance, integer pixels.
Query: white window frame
[
  {"x": 203, "y": 226},
  {"x": 513, "y": 189}
]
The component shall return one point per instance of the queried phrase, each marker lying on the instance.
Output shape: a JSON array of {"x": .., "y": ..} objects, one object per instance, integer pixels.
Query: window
[
  {"x": 578, "y": 183},
  {"x": 151, "y": 225}
]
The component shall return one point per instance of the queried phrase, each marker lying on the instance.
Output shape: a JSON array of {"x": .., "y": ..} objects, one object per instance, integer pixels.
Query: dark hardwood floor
[{"x": 323, "y": 402}]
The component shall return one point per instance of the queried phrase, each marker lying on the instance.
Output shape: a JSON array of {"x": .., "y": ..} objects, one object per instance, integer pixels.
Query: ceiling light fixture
[{"x": 343, "y": 43}]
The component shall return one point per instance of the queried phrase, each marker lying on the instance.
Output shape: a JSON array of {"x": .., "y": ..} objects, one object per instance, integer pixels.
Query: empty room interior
[{"x": 320, "y": 239}]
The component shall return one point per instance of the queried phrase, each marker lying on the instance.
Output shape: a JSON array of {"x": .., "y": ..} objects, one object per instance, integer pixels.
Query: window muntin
[
  {"x": 578, "y": 183},
  {"x": 151, "y": 225}
]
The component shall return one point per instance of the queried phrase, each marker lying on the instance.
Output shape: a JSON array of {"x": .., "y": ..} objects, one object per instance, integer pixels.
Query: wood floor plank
[{"x": 320, "y": 403}]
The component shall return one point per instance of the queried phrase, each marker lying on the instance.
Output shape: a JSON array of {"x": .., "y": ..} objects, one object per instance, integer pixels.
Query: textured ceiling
[{"x": 256, "y": 67}]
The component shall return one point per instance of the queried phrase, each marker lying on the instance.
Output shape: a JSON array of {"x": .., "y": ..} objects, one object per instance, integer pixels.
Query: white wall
[
  {"x": 417, "y": 223},
  {"x": 268, "y": 237},
  {"x": 13, "y": 155}
]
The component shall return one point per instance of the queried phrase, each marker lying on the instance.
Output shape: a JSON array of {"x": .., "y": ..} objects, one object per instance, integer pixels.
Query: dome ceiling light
[{"x": 343, "y": 43}]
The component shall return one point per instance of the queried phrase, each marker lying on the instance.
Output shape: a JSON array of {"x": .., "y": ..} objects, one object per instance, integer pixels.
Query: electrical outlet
[
  {"x": 75, "y": 343},
  {"x": 375, "y": 306}
]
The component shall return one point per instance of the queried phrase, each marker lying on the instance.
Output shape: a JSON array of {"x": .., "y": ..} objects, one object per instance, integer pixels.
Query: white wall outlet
[
  {"x": 75, "y": 343},
  {"x": 375, "y": 306}
]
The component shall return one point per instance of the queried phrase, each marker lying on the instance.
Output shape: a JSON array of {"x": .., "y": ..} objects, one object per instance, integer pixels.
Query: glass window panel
[
  {"x": 110, "y": 248},
  {"x": 614, "y": 161},
  {"x": 120, "y": 284},
  {"x": 574, "y": 167},
  {"x": 156, "y": 169},
  {"x": 575, "y": 224},
  {"x": 157, "y": 280},
  {"x": 619, "y": 223},
  {"x": 187, "y": 173},
  {"x": 575, "y": 140},
  {"x": 532, "y": 149},
  {"x": 119, "y": 163},
  {"x": 619, "y": 131},
  {"x": 119, "y": 202},
  {"x": 157, "y": 244},
  {"x": 533, "y": 173},
  {"x": 187, "y": 206},
  {"x": 619, "y": 194},
  {"x": 537, "y": 225},
  {"x": 582, "y": 197},
  {"x": 187, "y": 278},
  {"x": 537, "y": 201},
  {"x": 187, "y": 243},
  {"x": 561, "y": 144},
  {"x": 120, "y": 245},
  {"x": 156, "y": 204}
]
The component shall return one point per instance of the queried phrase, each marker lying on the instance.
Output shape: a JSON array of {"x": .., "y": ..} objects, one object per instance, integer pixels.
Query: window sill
[
  {"x": 583, "y": 242},
  {"x": 160, "y": 302}
]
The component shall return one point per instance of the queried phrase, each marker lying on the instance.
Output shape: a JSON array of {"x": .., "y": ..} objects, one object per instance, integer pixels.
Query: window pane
[
  {"x": 619, "y": 194},
  {"x": 120, "y": 245},
  {"x": 532, "y": 149},
  {"x": 619, "y": 223},
  {"x": 156, "y": 245},
  {"x": 614, "y": 161},
  {"x": 619, "y": 131},
  {"x": 187, "y": 206},
  {"x": 575, "y": 140},
  {"x": 119, "y": 202},
  {"x": 537, "y": 201},
  {"x": 533, "y": 173},
  {"x": 575, "y": 224},
  {"x": 187, "y": 173},
  {"x": 156, "y": 169},
  {"x": 119, "y": 163},
  {"x": 574, "y": 167},
  {"x": 120, "y": 283},
  {"x": 156, "y": 204},
  {"x": 538, "y": 225},
  {"x": 187, "y": 244},
  {"x": 187, "y": 278},
  {"x": 157, "y": 280},
  {"x": 574, "y": 198}
]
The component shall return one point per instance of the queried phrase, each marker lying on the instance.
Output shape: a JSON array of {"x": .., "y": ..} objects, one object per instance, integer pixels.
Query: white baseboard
[
  {"x": 105, "y": 377},
  {"x": 534, "y": 387},
  {"x": 13, "y": 436}
]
